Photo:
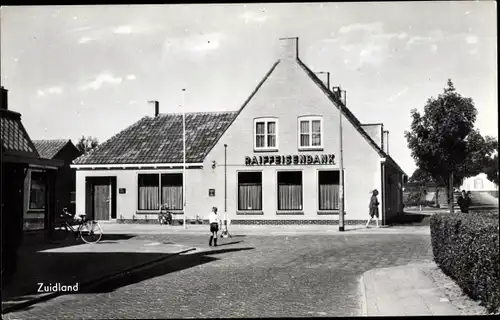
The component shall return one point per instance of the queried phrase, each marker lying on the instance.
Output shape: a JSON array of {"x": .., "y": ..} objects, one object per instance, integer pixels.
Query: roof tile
[{"x": 48, "y": 149}]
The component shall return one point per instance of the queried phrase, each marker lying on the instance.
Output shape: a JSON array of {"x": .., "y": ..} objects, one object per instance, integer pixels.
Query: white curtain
[
  {"x": 250, "y": 196},
  {"x": 328, "y": 197},
  {"x": 149, "y": 197},
  {"x": 172, "y": 196},
  {"x": 289, "y": 197}
]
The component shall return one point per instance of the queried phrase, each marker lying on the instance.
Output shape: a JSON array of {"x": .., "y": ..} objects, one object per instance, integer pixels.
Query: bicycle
[
  {"x": 88, "y": 230},
  {"x": 165, "y": 217}
]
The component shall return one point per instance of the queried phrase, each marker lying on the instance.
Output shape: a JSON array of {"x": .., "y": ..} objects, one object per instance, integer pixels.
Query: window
[
  {"x": 149, "y": 187},
  {"x": 266, "y": 134},
  {"x": 38, "y": 190},
  {"x": 310, "y": 132},
  {"x": 290, "y": 190},
  {"x": 328, "y": 189},
  {"x": 150, "y": 196},
  {"x": 250, "y": 191},
  {"x": 171, "y": 190}
]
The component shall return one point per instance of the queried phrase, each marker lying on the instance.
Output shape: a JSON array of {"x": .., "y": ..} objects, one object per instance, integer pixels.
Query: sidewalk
[
  {"x": 260, "y": 230},
  {"x": 82, "y": 264},
  {"x": 403, "y": 291}
]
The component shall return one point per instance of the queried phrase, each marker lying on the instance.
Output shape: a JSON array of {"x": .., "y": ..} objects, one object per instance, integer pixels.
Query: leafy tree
[
  {"x": 442, "y": 139},
  {"x": 491, "y": 168},
  {"x": 85, "y": 144}
]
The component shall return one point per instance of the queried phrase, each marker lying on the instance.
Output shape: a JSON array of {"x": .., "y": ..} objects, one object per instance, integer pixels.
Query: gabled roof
[
  {"x": 14, "y": 138},
  {"x": 159, "y": 140},
  {"x": 48, "y": 149},
  {"x": 349, "y": 115}
]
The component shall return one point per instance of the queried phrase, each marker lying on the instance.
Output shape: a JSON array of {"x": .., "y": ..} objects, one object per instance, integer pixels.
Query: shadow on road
[
  {"x": 174, "y": 264},
  {"x": 411, "y": 219},
  {"x": 98, "y": 267},
  {"x": 227, "y": 243}
]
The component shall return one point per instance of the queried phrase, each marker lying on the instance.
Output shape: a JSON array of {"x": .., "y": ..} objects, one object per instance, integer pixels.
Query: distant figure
[
  {"x": 464, "y": 201},
  {"x": 373, "y": 208},
  {"x": 214, "y": 226}
]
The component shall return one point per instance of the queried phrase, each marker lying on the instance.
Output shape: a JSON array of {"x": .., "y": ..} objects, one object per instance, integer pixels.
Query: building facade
[{"x": 274, "y": 161}]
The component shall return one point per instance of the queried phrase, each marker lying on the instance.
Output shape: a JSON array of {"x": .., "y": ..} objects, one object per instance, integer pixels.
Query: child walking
[
  {"x": 373, "y": 208},
  {"x": 214, "y": 226}
]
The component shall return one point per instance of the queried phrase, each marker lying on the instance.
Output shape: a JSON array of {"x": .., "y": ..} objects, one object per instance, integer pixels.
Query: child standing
[
  {"x": 214, "y": 226},
  {"x": 373, "y": 207}
]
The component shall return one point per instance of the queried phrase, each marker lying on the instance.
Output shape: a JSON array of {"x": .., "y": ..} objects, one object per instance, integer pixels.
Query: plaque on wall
[
  {"x": 211, "y": 192},
  {"x": 122, "y": 190}
]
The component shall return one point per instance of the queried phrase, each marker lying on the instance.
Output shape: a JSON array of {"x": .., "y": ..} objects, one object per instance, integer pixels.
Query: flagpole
[
  {"x": 184, "y": 159},
  {"x": 341, "y": 162}
]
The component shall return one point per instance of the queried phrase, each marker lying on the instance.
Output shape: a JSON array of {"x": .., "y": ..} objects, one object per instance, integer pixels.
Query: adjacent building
[
  {"x": 273, "y": 161},
  {"x": 35, "y": 187}
]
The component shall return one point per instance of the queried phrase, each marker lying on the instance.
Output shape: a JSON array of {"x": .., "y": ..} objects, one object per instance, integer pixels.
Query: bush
[{"x": 465, "y": 247}]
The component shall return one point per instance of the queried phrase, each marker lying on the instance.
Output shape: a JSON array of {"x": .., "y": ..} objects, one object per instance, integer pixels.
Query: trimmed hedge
[{"x": 465, "y": 247}]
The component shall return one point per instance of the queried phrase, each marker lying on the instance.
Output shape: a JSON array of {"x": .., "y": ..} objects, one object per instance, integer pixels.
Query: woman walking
[
  {"x": 214, "y": 226},
  {"x": 373, "y": 208}
]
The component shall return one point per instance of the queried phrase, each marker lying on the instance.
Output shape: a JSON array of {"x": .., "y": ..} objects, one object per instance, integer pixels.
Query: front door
[
  {"x": 101, "y": 198},
  {"x": 102, "y": 201}
]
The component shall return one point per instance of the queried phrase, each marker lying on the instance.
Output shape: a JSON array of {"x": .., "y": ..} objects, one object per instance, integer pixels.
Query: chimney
[
  {"x": 157, "y": 107},
  {"x": 289, "y": 48},
  {"x": 3, "y": 99},
  {"x": 340, "y": 94},
  {"x": 386, "y": 141},
  {"x": 324, "y": 77}
]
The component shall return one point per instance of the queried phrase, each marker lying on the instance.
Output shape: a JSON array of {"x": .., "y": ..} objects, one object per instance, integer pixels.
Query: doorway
[{"x": 101, "y": 198}]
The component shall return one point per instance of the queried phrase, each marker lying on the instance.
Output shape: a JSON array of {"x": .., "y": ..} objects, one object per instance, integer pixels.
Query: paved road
[{"x": 303, "y": 276}]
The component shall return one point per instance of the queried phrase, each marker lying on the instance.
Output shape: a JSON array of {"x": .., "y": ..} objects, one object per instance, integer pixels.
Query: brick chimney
[
  {"x": 324, "y": 77},
  {"x": 289, "y": 48},
  {"x": 4, "y": 99}
]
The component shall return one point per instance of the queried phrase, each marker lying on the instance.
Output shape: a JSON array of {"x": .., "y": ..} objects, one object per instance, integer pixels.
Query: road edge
[{"x": 364, "y": 308}]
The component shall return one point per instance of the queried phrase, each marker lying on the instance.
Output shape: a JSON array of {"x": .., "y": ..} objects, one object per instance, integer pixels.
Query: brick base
[{"x": 256, "y": 222}]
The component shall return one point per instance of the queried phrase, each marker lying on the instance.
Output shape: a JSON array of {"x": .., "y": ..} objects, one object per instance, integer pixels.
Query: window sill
[
  {"x": 265, "y": 150},
  {"x": 327, "y": 212},
  {"x": 141, "y": 212},
  {"x": 290, "y": 212},
  {"x": 249, "y": 212},
  {"x": 311, "y": 149}
]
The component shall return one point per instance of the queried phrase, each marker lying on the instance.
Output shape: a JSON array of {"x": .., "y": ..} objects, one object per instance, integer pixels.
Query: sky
[{"x": 90, "y": 70}]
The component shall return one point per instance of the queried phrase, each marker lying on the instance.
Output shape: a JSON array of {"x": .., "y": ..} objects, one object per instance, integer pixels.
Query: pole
[
  {"x": 184, "y": 159},
  {"x": 341, "y": 164},
  {"x": 225, "y": 187}
]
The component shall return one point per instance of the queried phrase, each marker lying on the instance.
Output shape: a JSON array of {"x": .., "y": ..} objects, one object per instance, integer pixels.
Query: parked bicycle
[
  {"x": 88, "y": 230},
  {"x": 165, "y": 216}
]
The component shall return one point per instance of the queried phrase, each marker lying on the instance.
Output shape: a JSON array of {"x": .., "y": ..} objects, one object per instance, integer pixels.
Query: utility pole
[
  {"x": 341, "y": 96},
  {"x": 184, "y": 159}
]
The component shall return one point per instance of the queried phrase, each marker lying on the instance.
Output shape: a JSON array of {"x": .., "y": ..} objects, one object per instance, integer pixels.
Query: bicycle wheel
[{"x": 91, "y": 232}]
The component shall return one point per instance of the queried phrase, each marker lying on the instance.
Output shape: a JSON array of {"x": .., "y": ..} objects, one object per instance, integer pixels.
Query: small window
[
  {"x": 310, "y": 132},
  {"x": 478, "y": 184},
  {"x": 250, "y": 191},
  {"x": 290, "y": 190},
  {"x": 38, "y": 190},
  {"x": 266, "y": 131}
]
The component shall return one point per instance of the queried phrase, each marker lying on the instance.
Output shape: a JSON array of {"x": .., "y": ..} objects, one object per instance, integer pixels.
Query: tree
[
  {"x": 491, "y": 168},
  {"x": 442, "y": 140},
  {"x": 85, "y": 144},
  {"x": 423, "y": 178}
]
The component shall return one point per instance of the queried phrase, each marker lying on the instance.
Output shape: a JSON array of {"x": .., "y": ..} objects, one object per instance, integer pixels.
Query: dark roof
[
  {"x": 48, "y": 149},
  {"x": 14, "y": 138},
  {"x": 159, "y": 140}
]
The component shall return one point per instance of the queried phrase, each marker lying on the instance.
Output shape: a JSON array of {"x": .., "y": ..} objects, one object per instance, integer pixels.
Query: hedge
[{"x": 465, "y": 247}]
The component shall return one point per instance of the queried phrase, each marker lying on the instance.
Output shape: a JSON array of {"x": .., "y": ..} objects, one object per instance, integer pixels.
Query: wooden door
[{"x": 102, "y": 201}]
